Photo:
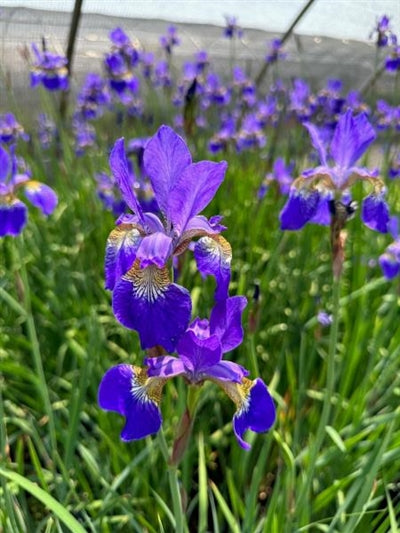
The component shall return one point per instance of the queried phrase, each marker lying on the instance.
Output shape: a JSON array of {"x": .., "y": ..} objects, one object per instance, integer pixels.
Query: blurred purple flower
[
  {"x": 382, "y": 33},
  {"x": 93, "y": 97},
  {"x": 50, "y": 70},
  {"x": 170, "y": 40},
  {"x": 389, "y": 261},
  {"x": 11, "y": 130},
  {"x": 321, "y": 189},
  {"x": 232, "y": 29},
  {"x": 275, "y": 52},
  {"x": 13, "y": 212}
]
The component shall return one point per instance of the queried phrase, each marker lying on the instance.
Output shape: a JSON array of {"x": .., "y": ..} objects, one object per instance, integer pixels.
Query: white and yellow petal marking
[
  {"x": 148, "y": 283},
  {"x": 145, "y": 388}
]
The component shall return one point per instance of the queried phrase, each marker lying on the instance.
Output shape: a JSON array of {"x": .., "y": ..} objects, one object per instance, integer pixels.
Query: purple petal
[
  {"x": 227, "y": 371},
  {"x": 165, "y": 157},
  {"x": 256, "y": 412},
  {"x": 13, "y": 218},
  {"x": 154, "y": 249},
  {"x": 121, "y": 247},
  {"x": 299, "y": 209},
  {"x": 146, "y": 301},
  {"x": 125, "y": 181},
  {"x": 226, "y": 322},
  {"x": 317, "y": 141},
  {"x": 198, "y": 354},
  {"x": 5, "y": 164},
  {"x": 375, "y": 213},
  {"x": 323, "y": 213},
  {"x": 351, "y": 138},
  {"x": 164, "y": 366},
  {"x": 193, "y": 191},
  {"x": 213, "y": 256},
  {"x": 128, "y": 391},
  {"x": 41, "y": 196},
  {"x": 390, "y": 265}
]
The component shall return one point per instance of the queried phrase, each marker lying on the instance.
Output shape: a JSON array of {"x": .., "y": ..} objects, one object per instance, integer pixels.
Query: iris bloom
[
  {"x": 141, "y": 246},
  {"x": 389, "y": 261},
  {"x": 319, "y": 190},
  {"x": 50, "y": 70},
  {"x": 135, "y": 392},
  {"x": 13, "y": 212},
  {"x": 119, "y": 63},
  {"x": 10, "y": 129}
]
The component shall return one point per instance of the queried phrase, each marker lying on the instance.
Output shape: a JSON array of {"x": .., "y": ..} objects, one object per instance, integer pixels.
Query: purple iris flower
[
  {"x": 13, "y": 212},
  {"x": 10, "y": 129},
  {"x": 383, "y": 33},
  {"x": 282, "y": 174},
  {"x": 46, "y": 130},
  {"x": 50, "y": 70},
  {"x": 120, "y": 62},
  {"x": 93, "y": 97},
  {"x": 109, "y": 194},
  {"x": 135, "y": 392},
  {"x": 139, "y": 248},
  {"x": 392, "y": 63},
  {"x": 251, "y": 134},
  {"x": 390, "y": 260},
  {"x": 275, "y": 52},
  {"x": 387, "y": 116},
  {"x": 232, "y": 29},
  {"x": 313, "y": 194},
  {"x": 170, "y": 40},
  {"x": 302, "y": 102},
  {"x": 85, "y": 135}
]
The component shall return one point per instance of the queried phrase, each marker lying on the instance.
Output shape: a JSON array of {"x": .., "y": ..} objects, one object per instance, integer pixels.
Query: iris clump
[{"x": 145, "y": 299}]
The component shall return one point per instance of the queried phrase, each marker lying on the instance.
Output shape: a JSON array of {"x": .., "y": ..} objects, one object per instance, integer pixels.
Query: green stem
[
  {"x": 327, "y": 404},
  {"x": 35, "y": 346},
  {"x": 180, "y": 520}
]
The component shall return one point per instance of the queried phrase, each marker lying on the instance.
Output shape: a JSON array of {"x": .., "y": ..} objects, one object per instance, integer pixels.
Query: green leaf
[{"x": 52, "y": 504}]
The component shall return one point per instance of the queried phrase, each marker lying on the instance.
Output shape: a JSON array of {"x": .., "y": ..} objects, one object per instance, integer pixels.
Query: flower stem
[
  {"x": 327, "y": 404},
  {"x": 180, "y": 520}
]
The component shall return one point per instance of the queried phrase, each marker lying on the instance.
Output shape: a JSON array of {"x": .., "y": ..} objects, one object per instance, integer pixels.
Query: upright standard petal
[
  {"x": 165, "y": 157},
  {"x": 41, "y": 196},
  {"x": 226, "y": 322},
  {"x": 121, "y": 247},
  {"x": 317, "y": 141},
  {"x": 193, "y": 191},
  {"x": 198, "y": 354},
  {"x": 146, "y": 301},
  {"x": 128, "y": 391},
  {"x": 351, "y": 138},
  {"x": 375, "y": 213},
  {"x": 13, "y": 218},
  {"x": 123, "y": 177},
  {"x": 155, "y": 249},
  {"x": 213, "y": 255},
  {"x": 256, "y": 409}
]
